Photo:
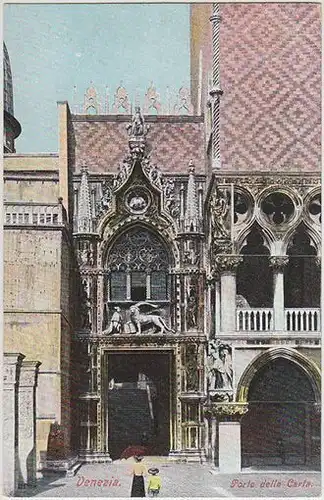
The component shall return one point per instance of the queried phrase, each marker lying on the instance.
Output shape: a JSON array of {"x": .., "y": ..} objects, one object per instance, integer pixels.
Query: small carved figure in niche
[
  {"x": 106, "y": 199},
  {"x": 85, "y": 307},
  {"x": 156, "y": 176},
  {"x": 86, "y": 257},
  {"x": 138, "y": 319},
  {"x": 192, "y": 309},
  {"x": 168, "y": 188},
  {"x": 115, "y": 322},
  {"x": 83, "y": 256},
  {"x": 192, "y": 378},
  {"x": 220, "y": 366},
  {"x": 191, "y": 256},
  {"x": 219, "y": 208}
]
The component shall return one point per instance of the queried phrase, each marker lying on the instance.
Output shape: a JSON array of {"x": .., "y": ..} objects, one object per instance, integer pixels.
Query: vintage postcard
[{"x": 162, "y": 250}]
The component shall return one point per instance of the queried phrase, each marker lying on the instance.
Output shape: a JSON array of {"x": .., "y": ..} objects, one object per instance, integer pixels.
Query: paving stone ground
[{"x": 180, "y": 480}]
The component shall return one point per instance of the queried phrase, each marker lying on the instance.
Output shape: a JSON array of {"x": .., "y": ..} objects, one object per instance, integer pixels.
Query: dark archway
[
  {"x": 139, "y": 402},
  {"x": 302, "y": 278},
  {"x": 281, "y": 426},
  {"x": 258, "y": 292}
]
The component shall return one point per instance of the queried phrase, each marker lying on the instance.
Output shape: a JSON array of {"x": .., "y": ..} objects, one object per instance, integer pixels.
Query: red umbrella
[{"x": 133, "y": 451}]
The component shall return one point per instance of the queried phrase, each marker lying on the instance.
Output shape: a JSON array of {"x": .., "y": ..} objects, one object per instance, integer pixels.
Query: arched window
[
  {"x": 302, "y": 276},
  {"x": 258, "y": 292},
  {"x": 138, "y": 263}
]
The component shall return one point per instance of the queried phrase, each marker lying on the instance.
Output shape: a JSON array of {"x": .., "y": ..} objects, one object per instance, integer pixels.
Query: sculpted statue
[
  {"x": 241, "y": 302},
  {"x": 115, "y": 322},
  {"x": 220, "y": 366},
  {"x": 139, "y": 319},
  {"x": 219, "y": 208},
  {"x": 192, "y": 309},
  {"x": 137, "y": 126}
]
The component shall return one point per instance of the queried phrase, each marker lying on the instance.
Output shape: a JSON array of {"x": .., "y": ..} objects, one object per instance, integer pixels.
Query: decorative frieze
[
  {"x": 174, "y": 102},
  {"x": 226, "y": 411}
]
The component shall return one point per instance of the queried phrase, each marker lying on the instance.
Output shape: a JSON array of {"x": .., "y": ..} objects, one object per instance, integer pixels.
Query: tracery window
[{"x": 139, "y": 265}]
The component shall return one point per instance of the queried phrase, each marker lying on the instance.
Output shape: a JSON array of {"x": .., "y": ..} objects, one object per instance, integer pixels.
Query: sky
[{"x": 54, "y": 48}]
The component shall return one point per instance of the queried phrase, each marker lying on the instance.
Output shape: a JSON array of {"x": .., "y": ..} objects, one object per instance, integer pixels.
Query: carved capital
[
  {"x": 226, "y": 411},
  {"x": 278, "y": 262},
  {"x": 318, "y": 261},
  {"x": 28, "y": 373},
  {"x": 229, "y": 263},
  {"x": 11, "y": 368}
]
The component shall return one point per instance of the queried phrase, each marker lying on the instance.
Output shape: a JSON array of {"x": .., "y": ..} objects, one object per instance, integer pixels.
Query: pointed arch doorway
[{"x": 282, "y": 426}]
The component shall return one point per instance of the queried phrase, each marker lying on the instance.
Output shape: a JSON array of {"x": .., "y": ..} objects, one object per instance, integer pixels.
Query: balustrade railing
[
  {"x": 260, "y": 320},
  {"x": 303, "y": 320},
  {"x": 33, "y": 215}
]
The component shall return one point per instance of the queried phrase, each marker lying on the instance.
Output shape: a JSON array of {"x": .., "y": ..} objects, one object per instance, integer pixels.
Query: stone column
[
  {"x": 216, "y": 92},
  {"x": 11, "y": 373},
  {"x": 226, "y": 266},
  {"x": 229, "y": 434},
  {"x": 27, "y": 423},
  {"x": 213, "y": 439},
  {"x": 278, "y": 264},
  {"x": 217, "y": 306}
]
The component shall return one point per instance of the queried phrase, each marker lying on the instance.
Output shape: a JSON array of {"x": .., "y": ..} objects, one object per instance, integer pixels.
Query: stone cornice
[
  {"x": 148, "y": 118},
  {"x": 259, "y": 178},
  {"x": 111, "y": 341}
]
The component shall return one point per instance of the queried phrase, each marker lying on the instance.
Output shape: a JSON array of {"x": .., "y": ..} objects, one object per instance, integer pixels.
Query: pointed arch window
[{"x": 139, "y": 268}]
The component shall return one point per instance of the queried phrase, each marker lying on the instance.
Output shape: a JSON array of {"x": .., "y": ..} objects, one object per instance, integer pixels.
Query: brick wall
[
  {"x": 271, "y": 77},
  {"x": 101, "y": 142}
]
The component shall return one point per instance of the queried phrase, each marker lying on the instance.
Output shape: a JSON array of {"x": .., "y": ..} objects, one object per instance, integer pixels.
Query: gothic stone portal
[
  {"x": 138, "y": 396},
  {"x": 281, "y": 426}
]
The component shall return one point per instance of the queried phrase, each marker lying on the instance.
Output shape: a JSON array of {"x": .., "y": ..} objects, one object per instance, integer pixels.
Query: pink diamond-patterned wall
[
  {"x": 271, "y": 78},
  {"x": 102, "y": 144}
]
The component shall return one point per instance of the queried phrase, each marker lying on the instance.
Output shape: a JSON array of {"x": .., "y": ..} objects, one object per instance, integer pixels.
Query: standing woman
[{"x": 139, "y": 471}]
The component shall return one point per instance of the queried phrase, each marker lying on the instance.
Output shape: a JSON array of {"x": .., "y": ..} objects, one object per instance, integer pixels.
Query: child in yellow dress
[{"x": 154, "y": 483}]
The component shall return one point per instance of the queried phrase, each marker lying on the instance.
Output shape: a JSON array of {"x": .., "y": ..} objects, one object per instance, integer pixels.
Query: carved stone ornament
[
  {"x": 152, "y": 100},
  {"x": 219, "y": 212},
  {"x": 221, "y": 397},
  {"x": 318, "y": 261},
  {"x": 171, "y": 204},
  {"x": 121, "y": 103},
  {"x": 226, "y": 411},
  {"x": 220, "y": 367},
  {"x": 223, "y": 263},
  {"x": 278, "y": 262},
  {"x": 137, "y": 131},
  {"x": 137, "y": 200},
  {"x": 221, "y": 247},
  {"x": 191, "y": 367},
  {"x": 139, "y": 319},
  {"x": 153, "y": 172},
  {"x": 278, "y": 208},
  {"x": 104, "y": 204},
  {"x": 183, "y": 105},
  {"x": 91, "y": 102}
]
